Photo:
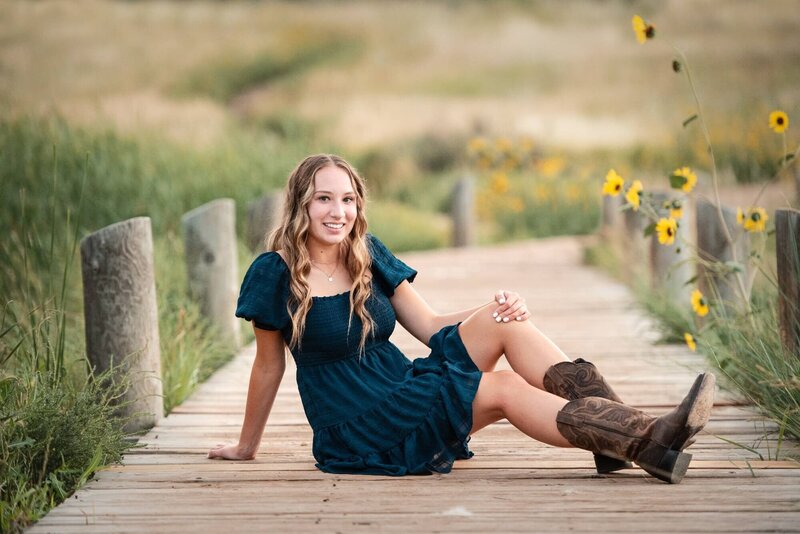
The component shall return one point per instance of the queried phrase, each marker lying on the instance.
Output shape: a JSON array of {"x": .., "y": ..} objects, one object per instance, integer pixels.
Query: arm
[
  {"x": 265, "y": 377},
  {"x": 416, "y": 315}
]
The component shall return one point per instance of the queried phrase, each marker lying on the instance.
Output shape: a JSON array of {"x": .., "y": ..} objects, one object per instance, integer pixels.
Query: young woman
[{"x": 332, "y": 293}]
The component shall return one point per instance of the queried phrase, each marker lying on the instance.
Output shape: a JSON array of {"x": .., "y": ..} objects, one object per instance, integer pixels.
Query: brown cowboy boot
[
  {"x": 655, "y": 443},
  {"x": 579, "y": 379}
]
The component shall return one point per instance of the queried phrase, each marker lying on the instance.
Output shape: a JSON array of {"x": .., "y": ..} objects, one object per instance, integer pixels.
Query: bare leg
[
  {"x": 505, "y": 394},
  {"x": 529, "y": 352}
]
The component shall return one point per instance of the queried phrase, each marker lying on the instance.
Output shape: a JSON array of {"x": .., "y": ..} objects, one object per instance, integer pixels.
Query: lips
[{"x": 333, "y": 226}]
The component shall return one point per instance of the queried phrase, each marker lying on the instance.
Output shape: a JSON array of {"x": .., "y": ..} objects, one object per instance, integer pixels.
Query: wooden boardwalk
[{"x": 512, "y": 483}]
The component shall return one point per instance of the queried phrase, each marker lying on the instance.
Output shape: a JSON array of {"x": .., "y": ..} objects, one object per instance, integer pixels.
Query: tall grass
[
  {"x": 57, "y": 421},
  {"x": 745, "y": 347}
]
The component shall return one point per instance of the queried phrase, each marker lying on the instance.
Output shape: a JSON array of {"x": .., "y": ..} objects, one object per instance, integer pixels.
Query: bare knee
[{"x": 508, "y": 389}]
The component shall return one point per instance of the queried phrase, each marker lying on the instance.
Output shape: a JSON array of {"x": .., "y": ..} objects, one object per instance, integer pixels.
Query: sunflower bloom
[
  {"x": 754, "y": 221},
  {"x": 499, "y": 183},
  {"x": 476, "y": 145},
  {"x": 675, "y": 208},
  {"x": 699, "y": 303},
  {"x": 684, "y": 179},
  {"x": 642, "y": 30},
  {"x": 689, "y": 338},
  {"x": 613, "y": 185},
  {"x": 778, "y": 121},
  {"x": 666, "y": 229},
  {"x": 633, "y": 196}
]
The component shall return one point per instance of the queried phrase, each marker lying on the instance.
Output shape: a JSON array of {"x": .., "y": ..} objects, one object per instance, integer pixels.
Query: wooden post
[
  {"x": 670, "y": 265},
  {"x": 611, "y": 222},
  {"x": 463, "y": 212},
  {"x": 212, "y": 264},
  {"x": 796, "y": 171},
  {"x": 633, "y": 244},
  {"x": 787, "y": 250},
  {"x": 712, "y": 246},
  {"x": 119, "y": 298},
  {"x": 262, "y": 215}
]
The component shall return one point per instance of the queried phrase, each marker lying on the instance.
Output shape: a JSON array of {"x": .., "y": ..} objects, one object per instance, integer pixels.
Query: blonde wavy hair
[{"x": 290, "y": 238}]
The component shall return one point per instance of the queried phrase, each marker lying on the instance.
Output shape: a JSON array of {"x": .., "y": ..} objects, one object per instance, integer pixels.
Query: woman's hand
[
  {"x": 230, "y": 452},
  {"x": 511, "y": 307}
]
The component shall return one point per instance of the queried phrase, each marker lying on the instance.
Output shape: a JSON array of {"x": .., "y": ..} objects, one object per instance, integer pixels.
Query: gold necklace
[{"x": 329, "y": 276}]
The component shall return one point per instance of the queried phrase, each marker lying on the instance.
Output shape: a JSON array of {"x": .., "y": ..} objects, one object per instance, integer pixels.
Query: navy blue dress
[{"x": 382, "y": 413}]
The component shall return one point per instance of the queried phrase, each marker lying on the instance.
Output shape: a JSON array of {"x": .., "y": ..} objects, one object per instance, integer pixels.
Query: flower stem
[{"x": 714, "y": 177}]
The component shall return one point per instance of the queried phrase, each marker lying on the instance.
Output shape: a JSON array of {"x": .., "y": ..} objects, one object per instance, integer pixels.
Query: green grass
[
  {"x": 235, "y": 73},
  {"x": 745, "y": 348}
]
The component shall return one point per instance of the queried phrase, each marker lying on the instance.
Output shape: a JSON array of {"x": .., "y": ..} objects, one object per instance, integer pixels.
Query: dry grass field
[{"x": 567, "y": 74}]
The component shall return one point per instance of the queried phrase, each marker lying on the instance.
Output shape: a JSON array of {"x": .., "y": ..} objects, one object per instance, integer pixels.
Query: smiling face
[{"x": 333, "y": 208}]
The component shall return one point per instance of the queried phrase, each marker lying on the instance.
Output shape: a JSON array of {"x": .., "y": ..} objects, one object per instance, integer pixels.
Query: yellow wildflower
[
  {"x": 516, "y": 204},
  {"x": 666, "y": 229},
  {"x": 526, "y": 144},
  {"x": 573, "y": 192},
  {"x": 675, "y": 208},
  {"x": 613, "y": 184},
  {"x": 699, "y": 303},
  {"x": 778, "y": 121},
  {"x": 503, "y": 144},
  {"x": 689, "y": 178},
  {"x": 633, "y": 196},
  {"x": 484, "y": 163},
  {"x": 499, "y": 183},
  {"x": 550, "y": 166},
  {"x": 690, "y": 341},
  {"x": 541, "y": 193},
  {"x": 642, "y": 30},
  {"x": 477, "y": 144},
  {"x": 755, "y": 220}
]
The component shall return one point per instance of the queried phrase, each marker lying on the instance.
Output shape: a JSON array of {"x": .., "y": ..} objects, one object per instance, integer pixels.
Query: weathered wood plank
[{"x": 512, "y": 484}]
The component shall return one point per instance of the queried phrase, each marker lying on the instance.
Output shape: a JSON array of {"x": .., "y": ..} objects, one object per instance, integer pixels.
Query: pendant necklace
[{"x": 328, "y": 276}]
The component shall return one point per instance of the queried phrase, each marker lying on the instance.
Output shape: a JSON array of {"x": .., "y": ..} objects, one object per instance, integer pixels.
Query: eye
[
  {"x": 323, "y": 198},
  {"x": 349, "y": 199}
]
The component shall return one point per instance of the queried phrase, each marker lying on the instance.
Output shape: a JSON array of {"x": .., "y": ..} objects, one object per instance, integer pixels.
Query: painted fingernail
[
  {"x": 505, "y": 319},
  {"x": 498, "y": 319},
  {"x": 519, "y": 318},
  {"x": 494, "y": 314},
  {"x": 502, "y": 301}
]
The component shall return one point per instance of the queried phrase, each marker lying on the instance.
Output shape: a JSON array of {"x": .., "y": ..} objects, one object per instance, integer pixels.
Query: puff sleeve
[
  {"x": 388, "y": 271},
  {"x": 264, "y": 293}
]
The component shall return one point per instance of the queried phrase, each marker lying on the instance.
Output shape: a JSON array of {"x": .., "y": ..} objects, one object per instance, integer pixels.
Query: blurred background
[
  {"x": 110, "y": 110},
  {"x": 177, "y": 103}
]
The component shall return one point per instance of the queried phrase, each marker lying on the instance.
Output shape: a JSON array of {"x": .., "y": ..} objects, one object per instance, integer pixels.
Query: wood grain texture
[
  {"x": 512, "y": 484},
  {"x": 787, "y": 250}
]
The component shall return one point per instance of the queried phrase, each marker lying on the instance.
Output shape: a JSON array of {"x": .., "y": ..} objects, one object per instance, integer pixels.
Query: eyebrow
[{"x": 331, "y": 192}]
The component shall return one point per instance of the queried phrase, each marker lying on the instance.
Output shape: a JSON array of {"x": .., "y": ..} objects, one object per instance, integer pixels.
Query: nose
[{"x": 337, "y": 209}]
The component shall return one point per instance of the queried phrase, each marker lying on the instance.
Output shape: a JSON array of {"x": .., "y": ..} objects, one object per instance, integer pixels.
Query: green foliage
[
  {"x": 233, "y": 75},
  {"x": 190, "y": 347},
  {"x": 53, "y": 436},
  {"x": 749, "y": 353},
  {"x": 404, "y": 228}
]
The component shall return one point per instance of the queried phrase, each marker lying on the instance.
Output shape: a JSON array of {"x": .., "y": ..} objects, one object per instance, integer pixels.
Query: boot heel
[
  {"x": 670, "y": 468},
  {"x": 606, "y": 464}
]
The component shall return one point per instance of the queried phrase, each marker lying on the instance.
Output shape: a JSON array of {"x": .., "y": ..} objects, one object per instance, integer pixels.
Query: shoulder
[
  {"x": 268, "y": 268},
  {"x": 376, "y": 247},
  {"x": 270, "y": 261}
]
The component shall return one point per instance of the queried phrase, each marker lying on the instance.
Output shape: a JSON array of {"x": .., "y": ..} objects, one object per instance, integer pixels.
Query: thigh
[{"x": 487, "y": 405}]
